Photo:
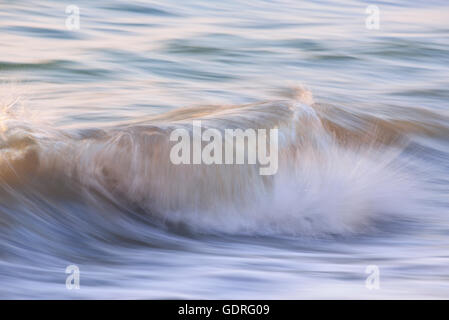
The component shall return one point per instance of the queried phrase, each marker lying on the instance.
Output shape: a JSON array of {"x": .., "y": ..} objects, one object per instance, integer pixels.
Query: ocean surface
[{"x": 85, "y": 177}]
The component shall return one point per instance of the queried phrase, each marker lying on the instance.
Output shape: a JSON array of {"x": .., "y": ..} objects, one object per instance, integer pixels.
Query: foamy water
[{"x": 86, "y": 179}]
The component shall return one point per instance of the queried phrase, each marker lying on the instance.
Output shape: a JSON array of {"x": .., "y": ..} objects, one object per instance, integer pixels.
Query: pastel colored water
[{"x": 85, "y": 177}]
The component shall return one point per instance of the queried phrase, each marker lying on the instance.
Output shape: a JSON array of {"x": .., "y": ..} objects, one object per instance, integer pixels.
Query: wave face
[{"x": 331, "y": 179}]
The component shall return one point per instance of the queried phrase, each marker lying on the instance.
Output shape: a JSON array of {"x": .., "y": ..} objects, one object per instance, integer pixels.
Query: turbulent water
[{"x": 86, "y": 179}]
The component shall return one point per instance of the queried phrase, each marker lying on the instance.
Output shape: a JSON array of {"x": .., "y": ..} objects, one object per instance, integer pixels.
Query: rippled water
[{"x": 85, "y": 178}]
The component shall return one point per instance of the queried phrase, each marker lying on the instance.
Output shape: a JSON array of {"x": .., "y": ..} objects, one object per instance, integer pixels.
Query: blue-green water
[{"x": 84, "y": 180}]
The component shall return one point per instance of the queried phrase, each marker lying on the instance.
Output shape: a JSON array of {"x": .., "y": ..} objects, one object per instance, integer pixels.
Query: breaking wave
[{"x": 341, "y": 171}]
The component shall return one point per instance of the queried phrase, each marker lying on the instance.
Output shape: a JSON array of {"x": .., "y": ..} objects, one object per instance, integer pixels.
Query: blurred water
[{"x": 135, "y": 59}]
